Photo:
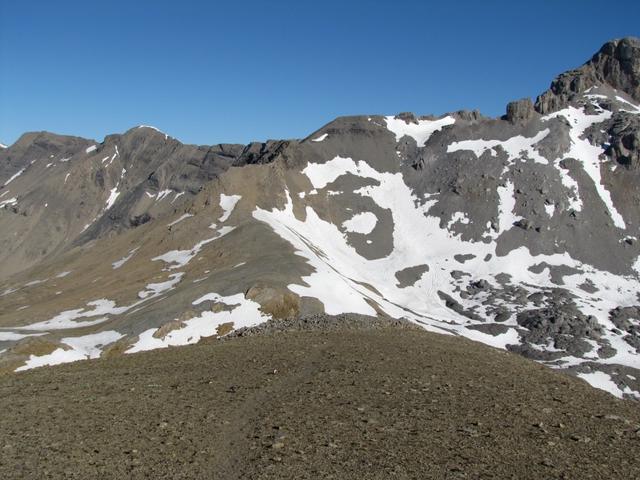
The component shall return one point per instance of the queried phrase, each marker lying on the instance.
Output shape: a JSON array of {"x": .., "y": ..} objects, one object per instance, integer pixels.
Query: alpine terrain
[{"x": 520, "y": 232}]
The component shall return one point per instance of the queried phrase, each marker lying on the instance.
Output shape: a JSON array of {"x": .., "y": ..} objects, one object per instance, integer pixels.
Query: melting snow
[
  {"x": 603, "y": 381},
  {"x": 361, "y": 223},
  {"x": 243, "y": 313},
  {"x": 458, "y": 217},
  {"x": 177, "y": 197},
  {"x": 163, "y": 194},
  {"x": 506, "y": 207},
  {"x": 10, "y": 201},
  {"x": 92, "y": 148},
  {"x": 15, "y": 175},
  {"x": 81, "y": 348},
  {"x": 124, "y": 260},
  {"x": 516, "y": 147},
  {"x": 179, "y": 258},
  {"x": 156, "y": 129},
  {"x": 186, "y": 215},
  {"x": 12, "y": 336},
  {"x": 66, "y": 319},
  {"x": 420, "y": 131},
  {"x": 228, "y": 203},
  {"x": 154, "y": 289},
  {"x": 113, "y": 196},
  {"x": 550, "y": 209},
  {"x": 587, "y": 154},
  {"x": 636, "y": 108},
  {"x": 320, "y": 138},
  {"x": 113, "y": 157},
  {"x": 340, "y": 273}
]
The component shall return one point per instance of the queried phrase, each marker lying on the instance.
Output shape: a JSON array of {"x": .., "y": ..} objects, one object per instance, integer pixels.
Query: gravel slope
[{"x": 350, "y": 402}]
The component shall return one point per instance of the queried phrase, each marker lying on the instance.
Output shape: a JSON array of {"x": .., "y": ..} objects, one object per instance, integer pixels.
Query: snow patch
[
  {"x": 550, "y": 209},
  {"x": 180, "y": 258},
  {"x": 66, "y": 319},
  {"x": 113, "y": 196},
  {"x": 506, "y": 207},
  {"x": 156, "y": 129},
  {"x": 515, "y": 147},
  {"x": 81, "y": 348},
  {"x": 125, "y": 259},
  {"x": 588, "y": 155},
  {"x": 183, "y": 217},
  {"x": 603, "y": 381},
  {"x": 10, "y": 201},
  {"x": 163, "y": 194},
  {"x": 12, "y": 336},
  {"x": 154, "y": 289},
  {"x": 361, "y": 223},
  {"x": 14, "y": 176},
  {"x": 635, "y": 108},
  {"x": 228, "y": 203},
  {"x": 242, "y": 313},
  {"x": 420, "y": 131},
  {"x": 341, "y": 276}
]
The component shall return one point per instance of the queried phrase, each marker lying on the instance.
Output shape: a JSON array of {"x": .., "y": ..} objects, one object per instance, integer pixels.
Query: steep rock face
[
  {"x": 519, "y": 232},
  {"x": 520, "y": 110},
  {"x": 257, "y": 153},
  {"x": 625, "y": 141}
]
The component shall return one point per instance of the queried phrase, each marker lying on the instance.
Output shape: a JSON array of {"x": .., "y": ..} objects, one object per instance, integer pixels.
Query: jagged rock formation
[
  {"x": 519, "y": 232},
  {"x": 520, "y": 110},
  {"x": 617, "y": 64}
]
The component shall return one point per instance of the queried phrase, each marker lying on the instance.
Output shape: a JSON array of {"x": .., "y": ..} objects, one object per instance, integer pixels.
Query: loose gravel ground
[{"x": 349, "y": 402}]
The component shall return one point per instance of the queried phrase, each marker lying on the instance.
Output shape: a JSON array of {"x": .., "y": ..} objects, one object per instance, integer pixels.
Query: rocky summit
[{"x": 518, "y": 232}]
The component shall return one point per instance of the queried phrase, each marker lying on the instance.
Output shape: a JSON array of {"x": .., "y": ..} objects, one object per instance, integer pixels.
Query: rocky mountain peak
[{"x": 616, "y": 64}]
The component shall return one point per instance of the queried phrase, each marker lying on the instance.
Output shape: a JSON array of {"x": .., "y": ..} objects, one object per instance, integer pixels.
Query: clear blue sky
[{"x": 235, "y": 71}]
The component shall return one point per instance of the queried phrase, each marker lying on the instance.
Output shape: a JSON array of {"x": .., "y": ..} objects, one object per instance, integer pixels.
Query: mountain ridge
[
  {"x": 520, "y": 231},
  {"x": 615, "y": 63}
]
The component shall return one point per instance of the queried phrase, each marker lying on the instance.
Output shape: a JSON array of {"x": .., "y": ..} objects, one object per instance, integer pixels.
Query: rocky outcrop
[
  {"x": 624, "y": 146},
  {"x": 520, "y": 111},
  {"x": 277, "y": 302},
  {"x": 618, "y": 64},
  {"x": 261, "y": 153}
]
